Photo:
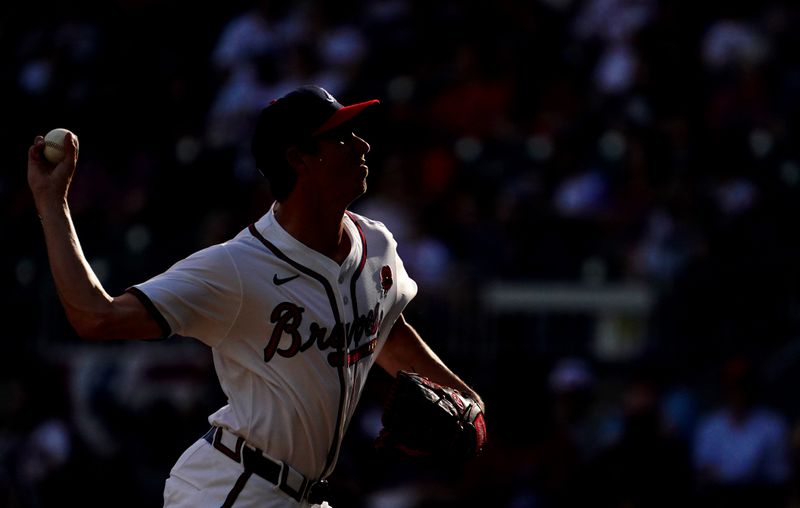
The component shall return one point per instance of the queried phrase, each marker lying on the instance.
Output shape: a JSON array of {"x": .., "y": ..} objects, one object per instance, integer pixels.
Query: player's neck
[{"x": 315, "y": 227}]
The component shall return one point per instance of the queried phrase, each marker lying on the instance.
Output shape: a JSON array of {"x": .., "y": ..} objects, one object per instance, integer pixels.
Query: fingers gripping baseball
[{"x": 50, "y": 172}]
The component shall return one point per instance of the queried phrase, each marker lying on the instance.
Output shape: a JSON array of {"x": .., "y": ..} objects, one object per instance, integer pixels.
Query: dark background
[{"x": 638, "y": 158}]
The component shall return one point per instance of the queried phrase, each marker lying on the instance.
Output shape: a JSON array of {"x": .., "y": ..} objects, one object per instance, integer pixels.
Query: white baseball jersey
[{"x": 293, "y": 333}]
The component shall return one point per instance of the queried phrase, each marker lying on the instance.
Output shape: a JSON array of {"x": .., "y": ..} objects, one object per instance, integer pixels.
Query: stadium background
[{"x": 597, "y": 198}]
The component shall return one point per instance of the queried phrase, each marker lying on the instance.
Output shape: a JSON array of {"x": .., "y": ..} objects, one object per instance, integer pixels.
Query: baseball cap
[{"x": 301, "y": 114}]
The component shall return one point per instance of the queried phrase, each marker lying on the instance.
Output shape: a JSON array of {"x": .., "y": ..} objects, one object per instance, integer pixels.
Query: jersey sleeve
[
  {"x": 406, "y": 286},
  {"x": 198, "y": 297}
]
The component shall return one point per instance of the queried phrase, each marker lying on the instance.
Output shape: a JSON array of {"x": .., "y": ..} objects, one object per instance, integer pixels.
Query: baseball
[{"x": 54, "y": 145}]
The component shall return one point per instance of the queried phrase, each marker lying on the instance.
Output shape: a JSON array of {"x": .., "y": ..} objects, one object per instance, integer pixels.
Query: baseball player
[{"x": 296, "y": 309}]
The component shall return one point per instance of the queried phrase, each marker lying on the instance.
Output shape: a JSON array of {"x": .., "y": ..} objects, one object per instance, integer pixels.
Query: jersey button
[
  {"x": 341, "y": 279},
  {"x": 345, "y": 300}
]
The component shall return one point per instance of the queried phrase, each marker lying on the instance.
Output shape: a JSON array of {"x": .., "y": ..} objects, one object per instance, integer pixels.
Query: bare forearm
[
  {"x": 81, "y": 293},
  {"x": 405, "y": 350},
  {"x": 90, "y": 310}
]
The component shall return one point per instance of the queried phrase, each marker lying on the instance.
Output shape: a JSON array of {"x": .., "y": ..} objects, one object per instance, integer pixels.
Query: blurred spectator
[
  {"x": 647, "y": 466},
  {"x": 264, "y": 28},
  {"x": 741, "y": 453},
  {"x": 732, "y": 44},
  {"x": 42, "y": 460},
  {"x": 664, "y": 248},
  {"x": 559, "y": 476},
  {"x": 613, "y": 20},
  {"x": 246, "y": 59},
  {"x": 477, "y": 95},
  {"x": 614, "y": 23},
  {"x": 340, "y": 44},
  {"x": 582, "y": 195}
]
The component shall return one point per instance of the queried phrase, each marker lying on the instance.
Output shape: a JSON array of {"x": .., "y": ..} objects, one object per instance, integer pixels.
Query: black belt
[{"x": 279, "y": 473}]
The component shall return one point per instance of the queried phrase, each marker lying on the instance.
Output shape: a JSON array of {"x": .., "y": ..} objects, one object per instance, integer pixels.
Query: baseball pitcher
[{"x": 296, "y": 309}]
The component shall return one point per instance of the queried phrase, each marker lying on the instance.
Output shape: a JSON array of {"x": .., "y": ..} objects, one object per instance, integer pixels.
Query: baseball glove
[{"x": 425, "y": 419}]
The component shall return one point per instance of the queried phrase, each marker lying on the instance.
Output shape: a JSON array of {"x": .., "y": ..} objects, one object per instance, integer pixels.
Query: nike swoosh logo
[{"x": 278, "y": 281}]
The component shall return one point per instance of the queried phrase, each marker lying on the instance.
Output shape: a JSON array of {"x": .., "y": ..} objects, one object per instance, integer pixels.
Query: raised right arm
[{"x": 93, "y": 313}]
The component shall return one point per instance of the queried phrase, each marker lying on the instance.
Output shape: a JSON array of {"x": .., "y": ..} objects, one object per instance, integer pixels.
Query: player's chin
[{"x": 358, "y": 193}]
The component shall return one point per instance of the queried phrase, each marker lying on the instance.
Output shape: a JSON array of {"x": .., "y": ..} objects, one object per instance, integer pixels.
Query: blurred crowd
[{"x": 586, "y": 142}]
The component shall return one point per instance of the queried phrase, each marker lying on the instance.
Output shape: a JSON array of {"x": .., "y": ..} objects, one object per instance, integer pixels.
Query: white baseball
[{"x": 54, "y": 147}]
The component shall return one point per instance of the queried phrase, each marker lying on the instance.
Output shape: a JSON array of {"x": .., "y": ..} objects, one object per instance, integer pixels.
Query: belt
[{"x": 277, "y": 472}]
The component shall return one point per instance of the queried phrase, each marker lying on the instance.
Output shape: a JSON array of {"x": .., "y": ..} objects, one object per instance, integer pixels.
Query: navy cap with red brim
[{"x": 303, "y": 113}]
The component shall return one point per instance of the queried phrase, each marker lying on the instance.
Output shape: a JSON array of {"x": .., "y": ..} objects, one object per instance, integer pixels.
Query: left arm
[{"x": 405, "y": 350}]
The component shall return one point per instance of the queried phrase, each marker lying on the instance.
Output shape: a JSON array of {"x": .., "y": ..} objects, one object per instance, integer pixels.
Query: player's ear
[
  {"x": 296, "y": 158},
  {"x": 300, "y": 159}
]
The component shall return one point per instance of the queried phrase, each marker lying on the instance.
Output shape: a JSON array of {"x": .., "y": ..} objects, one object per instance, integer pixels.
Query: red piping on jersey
[
  {"x": 354, "y": 359},
  {"x": 360, "y": 268}
]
